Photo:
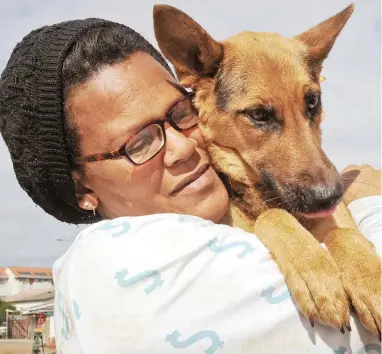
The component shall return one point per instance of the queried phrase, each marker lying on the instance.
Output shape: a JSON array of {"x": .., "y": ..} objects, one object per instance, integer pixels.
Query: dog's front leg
[
  {"x": 312, "y": 275},
  {"x": 359, "y": 263}
]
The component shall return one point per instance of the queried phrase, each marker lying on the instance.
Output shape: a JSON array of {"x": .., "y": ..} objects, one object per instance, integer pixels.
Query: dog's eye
[
  {"x": 313, "y": 103},
  {"x": 263, "y": 118},
  {"x": 259, "y": 115}
]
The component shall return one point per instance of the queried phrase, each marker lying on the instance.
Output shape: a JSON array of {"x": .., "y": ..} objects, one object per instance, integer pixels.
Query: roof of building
[
  {"x": 31, "y": 272},
  {"x": 2, "y": 273}
]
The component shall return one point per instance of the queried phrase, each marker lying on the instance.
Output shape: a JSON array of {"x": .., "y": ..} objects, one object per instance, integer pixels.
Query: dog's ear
[
  {"x": 192, "y": 51},
  {"x": 320, "y": 39}
]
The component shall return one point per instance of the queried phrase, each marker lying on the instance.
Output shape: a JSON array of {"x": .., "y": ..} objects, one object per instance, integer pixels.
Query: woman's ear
[{"x": 86, "y": 198}]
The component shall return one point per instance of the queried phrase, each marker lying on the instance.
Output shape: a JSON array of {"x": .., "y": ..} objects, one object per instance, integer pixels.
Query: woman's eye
[
  {"x": 185, "y": 115},
  {"x": 181, "y": 115},
  {"x": 138, "y": 147}
]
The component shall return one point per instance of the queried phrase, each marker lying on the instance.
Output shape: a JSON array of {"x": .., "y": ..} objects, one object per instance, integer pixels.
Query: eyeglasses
[{"x": 148, "y": 141}]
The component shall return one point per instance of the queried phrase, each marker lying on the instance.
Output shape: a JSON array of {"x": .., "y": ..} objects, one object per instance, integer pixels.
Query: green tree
[{"x": 5, "y": 306}]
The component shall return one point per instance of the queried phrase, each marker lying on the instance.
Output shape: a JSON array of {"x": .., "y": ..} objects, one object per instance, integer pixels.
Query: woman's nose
[{"x": 179, "y": 148}]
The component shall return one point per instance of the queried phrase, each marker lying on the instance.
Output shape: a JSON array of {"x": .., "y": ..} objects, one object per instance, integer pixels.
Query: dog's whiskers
[
  {"x": 284, "y": 205},
  {"x": 269, "y": 200}
]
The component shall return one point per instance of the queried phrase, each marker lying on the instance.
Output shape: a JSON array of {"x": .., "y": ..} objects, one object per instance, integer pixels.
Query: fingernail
[{"x": 311, "y": 322}]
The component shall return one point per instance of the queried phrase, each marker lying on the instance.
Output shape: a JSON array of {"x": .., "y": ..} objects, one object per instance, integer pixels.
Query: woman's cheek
[{"x": 149, "y": 175}]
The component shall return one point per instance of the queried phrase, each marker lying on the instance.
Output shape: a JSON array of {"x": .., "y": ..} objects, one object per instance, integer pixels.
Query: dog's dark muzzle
[
  {"x": 306, "y": 199},
  {"x": 311, "y": 200}
]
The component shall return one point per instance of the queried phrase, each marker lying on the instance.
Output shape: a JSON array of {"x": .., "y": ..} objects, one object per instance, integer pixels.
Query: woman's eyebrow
[
  {"x": 132, "y": 129},
  {"x": 178, "y": 87}
]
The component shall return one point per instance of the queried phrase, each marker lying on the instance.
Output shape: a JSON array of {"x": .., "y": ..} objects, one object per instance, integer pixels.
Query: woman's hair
[
  {"x": 38, "y": 77},
  {"x": 93, "y": 51}
]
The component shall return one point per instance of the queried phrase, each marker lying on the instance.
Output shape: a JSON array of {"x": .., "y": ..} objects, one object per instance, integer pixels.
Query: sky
[{"x": 351, "y": 93}]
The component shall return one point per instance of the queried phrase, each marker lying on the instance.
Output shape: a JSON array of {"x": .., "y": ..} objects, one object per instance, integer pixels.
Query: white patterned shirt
[{"x": 176, "y": 284}]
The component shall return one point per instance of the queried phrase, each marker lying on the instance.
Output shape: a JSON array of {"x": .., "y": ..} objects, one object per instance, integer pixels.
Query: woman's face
[{"x": 107, "y": 110}]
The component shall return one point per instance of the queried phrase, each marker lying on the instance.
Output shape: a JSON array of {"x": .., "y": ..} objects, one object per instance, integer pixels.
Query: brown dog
[{"x": 259, "y": 102}]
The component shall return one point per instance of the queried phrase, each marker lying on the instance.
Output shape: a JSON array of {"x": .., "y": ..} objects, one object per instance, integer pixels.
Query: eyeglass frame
[{"x": 121, "y": 151}]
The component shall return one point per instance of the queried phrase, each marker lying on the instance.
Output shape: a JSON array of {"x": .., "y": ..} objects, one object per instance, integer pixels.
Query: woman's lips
[{"x": 196, "y": 181}]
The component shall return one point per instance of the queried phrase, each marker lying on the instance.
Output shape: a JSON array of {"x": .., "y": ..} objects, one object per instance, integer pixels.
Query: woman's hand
[{"x": 360, "y": 182}]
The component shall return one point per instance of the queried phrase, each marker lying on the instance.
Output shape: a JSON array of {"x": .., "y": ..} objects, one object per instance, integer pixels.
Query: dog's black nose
[{"x": 323, "y": 197}]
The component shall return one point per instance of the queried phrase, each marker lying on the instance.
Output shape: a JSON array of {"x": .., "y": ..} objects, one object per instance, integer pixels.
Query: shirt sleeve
[
  {"x": 179, "y": 284},
  {"x": 367, "y": 212}
]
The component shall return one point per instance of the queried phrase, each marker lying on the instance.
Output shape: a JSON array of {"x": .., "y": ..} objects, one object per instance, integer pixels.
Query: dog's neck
[
  {"x": 246, "y": 204},
  {"x": 235, "y": 217}
]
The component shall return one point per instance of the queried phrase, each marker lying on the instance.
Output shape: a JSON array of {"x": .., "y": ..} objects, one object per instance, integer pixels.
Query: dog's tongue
[{"x": 320, "y": 214}]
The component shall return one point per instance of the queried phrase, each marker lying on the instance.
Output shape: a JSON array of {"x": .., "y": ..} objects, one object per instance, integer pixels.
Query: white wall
[
  {"x": 3, "y": 287},
  {"x": 17, "y": 285},
  {"x": 14, "y": 286},
  {"x": 42, "y": 285}
]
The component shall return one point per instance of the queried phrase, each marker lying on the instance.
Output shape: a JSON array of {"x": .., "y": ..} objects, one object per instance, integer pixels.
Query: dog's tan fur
[{"x": 265, "y": 69}]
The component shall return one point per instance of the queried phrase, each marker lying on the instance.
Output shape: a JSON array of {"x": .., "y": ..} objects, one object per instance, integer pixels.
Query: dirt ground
[{"x": 19, "y": 347}]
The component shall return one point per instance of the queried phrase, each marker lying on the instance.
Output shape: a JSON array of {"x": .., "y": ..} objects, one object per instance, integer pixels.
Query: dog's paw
[
  {"x": 362, "y": 282},
  {"x": 315, "y": 283},
  {"x": 361, "y": 272},
  {"x": 312, "y": 276}
]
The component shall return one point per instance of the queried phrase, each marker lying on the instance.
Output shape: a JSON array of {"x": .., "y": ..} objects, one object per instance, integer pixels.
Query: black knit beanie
[{"x": 32, "y": 117}]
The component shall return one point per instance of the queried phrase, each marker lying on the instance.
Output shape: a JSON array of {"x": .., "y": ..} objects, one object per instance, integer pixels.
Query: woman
[{"x": 98, "y": 128}]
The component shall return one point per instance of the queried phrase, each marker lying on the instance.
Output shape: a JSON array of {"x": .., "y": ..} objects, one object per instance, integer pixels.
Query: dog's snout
[
  {"x": 324, "y": 197},
  {"x": 312, "y": 199}
]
